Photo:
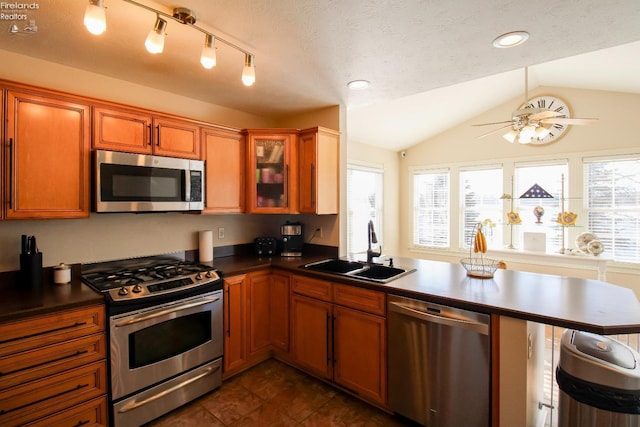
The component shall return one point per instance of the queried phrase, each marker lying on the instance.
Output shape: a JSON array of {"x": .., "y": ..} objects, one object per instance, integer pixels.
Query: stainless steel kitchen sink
[{"x": 358, "y": 270}]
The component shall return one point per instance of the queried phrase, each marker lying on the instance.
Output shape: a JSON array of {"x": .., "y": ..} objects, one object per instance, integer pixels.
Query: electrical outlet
[
  {"x": 318, "y": 232},
  {"x": 220, "y": 232}
]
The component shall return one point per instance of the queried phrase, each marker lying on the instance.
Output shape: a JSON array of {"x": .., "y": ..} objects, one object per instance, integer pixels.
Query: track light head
[
  {"x": 249, "y": 71},
  {"x": 94, "y": 17},
  {"x": 155, "y": 39},
  {"x": 208, "y": 56}
]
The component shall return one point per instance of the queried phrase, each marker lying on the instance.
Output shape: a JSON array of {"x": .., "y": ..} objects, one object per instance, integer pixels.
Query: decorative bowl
[{"x": 480, "y": 267}]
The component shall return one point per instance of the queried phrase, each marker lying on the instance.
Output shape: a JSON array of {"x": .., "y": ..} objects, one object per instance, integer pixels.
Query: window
[
  {"x": 364, "y": 203},
  {"x": 612, "y": 204},
  {"x": 431, "y": 209},
  {"x": 550, "y": 176},
  {"x": 480, "y": 191}
]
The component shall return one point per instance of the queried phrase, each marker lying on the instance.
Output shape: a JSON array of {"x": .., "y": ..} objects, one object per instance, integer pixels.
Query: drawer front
[
  {"x": 360, "y": 299},
  {"x": 313, "y": 288},
  {"x": 49, "y": 329},
  {"x": 37, "y": 399},
  {"x": 92, "y": 413},
  {"x": 52, "y": 359}
]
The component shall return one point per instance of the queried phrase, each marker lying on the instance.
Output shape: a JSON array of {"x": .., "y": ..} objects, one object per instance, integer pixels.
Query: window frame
[{"x": 379, "y": 209}]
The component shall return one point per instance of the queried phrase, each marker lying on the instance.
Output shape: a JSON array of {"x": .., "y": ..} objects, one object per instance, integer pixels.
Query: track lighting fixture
[
  {"x": 155, "y": 39},
  {"x": 95, "y": 21},
  {"x": 208, "y": 56},
  {"x": 94, "y": 17},
  {"x": 249, "y": 71}
]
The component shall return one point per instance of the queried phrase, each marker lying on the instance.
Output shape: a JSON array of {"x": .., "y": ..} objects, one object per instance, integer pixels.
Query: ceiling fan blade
[
  {"x": 493, "y": 131},
  {"x": 544, "y": 115},
  {"x": 569, "y": 121},
  {"x": 494, "y": 123}
]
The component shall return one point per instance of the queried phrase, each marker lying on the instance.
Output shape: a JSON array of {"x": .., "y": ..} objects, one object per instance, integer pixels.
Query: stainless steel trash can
[{"x": 599, "y": 381}]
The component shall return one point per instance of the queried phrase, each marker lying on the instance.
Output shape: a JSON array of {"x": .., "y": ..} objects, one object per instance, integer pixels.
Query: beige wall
[{"x": 114, "y": 236}]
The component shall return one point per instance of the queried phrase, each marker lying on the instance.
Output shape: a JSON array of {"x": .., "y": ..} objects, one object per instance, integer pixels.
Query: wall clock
[{"x": 553, "y": 103}]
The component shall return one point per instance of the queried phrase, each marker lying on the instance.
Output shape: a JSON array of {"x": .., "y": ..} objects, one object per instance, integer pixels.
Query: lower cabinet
[
  {"x": 338, "y": 332},
  {"x": 256, "y": 318},
  {"x": 54, "y": 369}
]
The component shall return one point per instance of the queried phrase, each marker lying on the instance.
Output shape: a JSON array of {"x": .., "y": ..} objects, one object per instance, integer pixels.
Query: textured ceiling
[{"x": 414, "y": 52}]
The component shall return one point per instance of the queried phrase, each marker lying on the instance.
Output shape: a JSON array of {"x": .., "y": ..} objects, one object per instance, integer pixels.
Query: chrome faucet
[{"x": 372, "y": 238}]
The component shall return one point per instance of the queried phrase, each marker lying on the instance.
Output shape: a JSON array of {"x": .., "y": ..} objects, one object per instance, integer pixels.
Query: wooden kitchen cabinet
[
  {"x": 319, "y": 176},
  {"x": 224, "y": 154},
  {"x": 279, "y": 314},
  {"x": 47, "y": 156},
  {"x": 258, "y": 299},
  {"x": 272, "y": 172},
  {"x": 235, "y": 350},
  {"x": 338, "y": 332},
  {"x": 139, "y": 131},
  {"x": 54, "y": 369}
]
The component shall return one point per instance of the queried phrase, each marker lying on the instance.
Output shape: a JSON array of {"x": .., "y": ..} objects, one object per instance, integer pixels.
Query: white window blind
[
  {"x": 548, "y": 176},
  {"x": 364, "y": 203},
  {"x": 481, "y": 190},
  {"x": 612, "y": 192},
  {"x": 431, "y": 210}
]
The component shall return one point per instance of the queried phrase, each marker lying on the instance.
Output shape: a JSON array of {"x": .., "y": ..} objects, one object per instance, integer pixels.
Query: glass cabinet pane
[{"x": 270, "y": 173}]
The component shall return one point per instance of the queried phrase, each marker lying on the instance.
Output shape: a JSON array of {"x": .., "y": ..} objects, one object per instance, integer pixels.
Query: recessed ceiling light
[
  {"x": 358, "y": 84},
  {"x": 511, "y": 39}
]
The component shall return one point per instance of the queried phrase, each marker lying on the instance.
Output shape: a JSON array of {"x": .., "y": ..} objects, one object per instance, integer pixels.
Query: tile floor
[{"x": 275, "y": 394}]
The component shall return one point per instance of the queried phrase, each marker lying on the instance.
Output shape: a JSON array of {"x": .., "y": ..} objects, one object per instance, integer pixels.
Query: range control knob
[
  {"x": 199, "y": 276},
  {"x": 136, "y": 289},
  {"x": 208, "y": 274},
  {"x": 123, "y": 291}
]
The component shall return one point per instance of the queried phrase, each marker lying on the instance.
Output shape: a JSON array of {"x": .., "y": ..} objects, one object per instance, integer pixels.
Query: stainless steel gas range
[{"x": 165, "y": 333}]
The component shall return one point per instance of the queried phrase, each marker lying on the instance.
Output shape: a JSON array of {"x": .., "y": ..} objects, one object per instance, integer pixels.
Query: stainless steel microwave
[{"x": 127, "y": 182}]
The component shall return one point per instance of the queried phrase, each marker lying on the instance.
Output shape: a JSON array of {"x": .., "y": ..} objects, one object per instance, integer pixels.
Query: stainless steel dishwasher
[{"x": 439, "y": 364}]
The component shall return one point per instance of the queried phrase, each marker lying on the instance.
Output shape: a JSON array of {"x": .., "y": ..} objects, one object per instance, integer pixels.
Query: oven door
[{"x": 154, "y": 344}]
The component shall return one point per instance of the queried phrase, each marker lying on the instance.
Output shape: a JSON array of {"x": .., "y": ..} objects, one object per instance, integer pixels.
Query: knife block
[{"x": 30, "y": 277}]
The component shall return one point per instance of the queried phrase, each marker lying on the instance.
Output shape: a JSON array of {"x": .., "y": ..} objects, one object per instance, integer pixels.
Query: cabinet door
[
  {"x": 279, "y": 304},
  {"x": 271, "y": 173},
  {"x": 258, "y": 296},
  {"x": 122, "y": 130},
  {"x": 360, "y": 353},
  {"x": 47, "y": 161},
  {"x": 311, "y": 334},
  {"x": 223, "y": 153},
  {"x": 318, "y": 153},
  {"x": 176, "y": 138},
  {"x": 235, "y": 352}
]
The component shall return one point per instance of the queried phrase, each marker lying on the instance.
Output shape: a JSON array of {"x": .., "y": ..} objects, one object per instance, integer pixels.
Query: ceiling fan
[{"x": 540, "y": 120}]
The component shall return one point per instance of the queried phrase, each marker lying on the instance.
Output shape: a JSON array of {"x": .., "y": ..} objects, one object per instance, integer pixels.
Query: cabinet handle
[
  {"x": 82, "y": 423},
  {"x": 158, "y": 132},
  {"x": 26, "y": 368},
  {"x": 286, "y": 185},
  {"x": 75, "y": 325},
  {"x": 10, "y": 173},
  {"x": 313, "y": 185},
  {"x": 327, "y": 343},
  {"x": 62, "y": 393},
  {"x": 150, "y": 134}
]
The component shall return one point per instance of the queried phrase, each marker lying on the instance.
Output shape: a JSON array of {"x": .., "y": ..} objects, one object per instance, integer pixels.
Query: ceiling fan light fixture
[
  {"x": 208, "y": 56},
  {"x": 542, "y": 132},
  {"x": 511, "y": 39},
  {"x": 155, "y": 39},
  {"x": 95, "y": 19},
  {"x": 511, "y": 136},
  {"x": 249, "y": 70}
]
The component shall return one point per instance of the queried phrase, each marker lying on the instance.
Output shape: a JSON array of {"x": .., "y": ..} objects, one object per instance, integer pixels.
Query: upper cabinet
[
  {"x": 318, "y": 156},
  {"x": 272, "y": 173},
  {"x": 140, "y": 131},
  {"x": 46, "y": 159},
  {"x": 223, "y": 151}
]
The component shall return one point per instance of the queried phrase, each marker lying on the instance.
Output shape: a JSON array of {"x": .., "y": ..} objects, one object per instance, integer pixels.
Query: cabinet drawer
[
  {"x": 37, "y": 399},
  {"x": 51, "y": 359},
  {"x": 92, "y": 413},
  {"x": 49, "y": 329},
  {"x": 359, "y": 298},
  {"x": 313, "y": 288}
]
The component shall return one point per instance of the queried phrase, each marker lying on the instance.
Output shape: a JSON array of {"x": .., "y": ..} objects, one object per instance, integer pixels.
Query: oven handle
[
  {"x": 165, "y": 312},
  {"x": 134, "y": 405}
]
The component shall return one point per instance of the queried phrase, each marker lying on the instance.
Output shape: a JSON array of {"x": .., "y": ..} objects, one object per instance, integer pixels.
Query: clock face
[{"x": 552, "y": 103}]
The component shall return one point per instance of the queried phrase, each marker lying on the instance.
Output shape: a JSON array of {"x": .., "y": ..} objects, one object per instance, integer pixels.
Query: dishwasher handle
[{"x": 479, "y": 327}]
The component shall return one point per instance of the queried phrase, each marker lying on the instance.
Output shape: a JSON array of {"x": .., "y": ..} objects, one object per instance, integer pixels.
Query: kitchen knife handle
[{"x": 10, "y": 173}]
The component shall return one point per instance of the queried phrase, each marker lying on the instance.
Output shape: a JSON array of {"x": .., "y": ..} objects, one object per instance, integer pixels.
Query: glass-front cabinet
[{"x": 272, "y": 171}]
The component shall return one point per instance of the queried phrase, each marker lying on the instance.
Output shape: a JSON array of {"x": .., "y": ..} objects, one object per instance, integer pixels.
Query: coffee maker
[{"x": 292, "y": 238}]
